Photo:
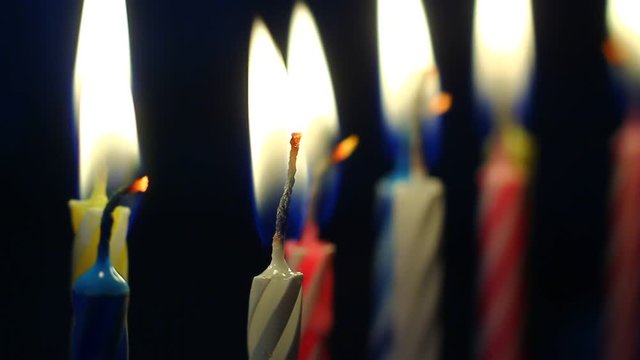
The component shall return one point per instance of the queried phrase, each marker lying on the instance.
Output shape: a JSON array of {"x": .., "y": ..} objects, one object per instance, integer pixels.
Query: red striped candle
[
  {"x": 623, "y": 300},
  {"x": 314, "y": 258},
  {"x": 502, "y": 237}
]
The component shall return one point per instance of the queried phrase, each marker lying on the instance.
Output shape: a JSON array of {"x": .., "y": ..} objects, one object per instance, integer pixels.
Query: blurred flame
[
  {"x": 345, "y": 148},
  {"x": 140, "y": 185},
  {"x": 405, "y": 56},
  {"x": 624, "y": 28},
  {"x": 312, "y": 98},
  {"x": 102, "y": 94},
  {"x": 503, "y": 49}
]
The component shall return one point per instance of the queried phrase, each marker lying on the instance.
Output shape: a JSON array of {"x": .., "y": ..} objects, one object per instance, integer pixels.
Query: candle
[
  {"x": 273, "y": 326},
  {"x": 315, "y": 110},
  {"x": 101, "y": 297},
  {"x": 407, "y": 268},
  {"x": 503, "y": 53},
  {"x": 108, "y": 153},
  {"x": 622, "y": 327}
]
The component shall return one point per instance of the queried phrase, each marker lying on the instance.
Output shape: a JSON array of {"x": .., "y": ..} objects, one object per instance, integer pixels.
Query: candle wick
[
  {"x": 418, "y": 165},
  {"x": 283, "y": 206}
]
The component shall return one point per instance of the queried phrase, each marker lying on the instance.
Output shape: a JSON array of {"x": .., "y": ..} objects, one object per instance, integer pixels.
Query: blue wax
[{"x": 100, "y": 299}]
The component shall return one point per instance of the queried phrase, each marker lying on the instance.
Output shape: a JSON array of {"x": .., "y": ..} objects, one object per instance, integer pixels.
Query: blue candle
[{"x": 100, "y": 298}]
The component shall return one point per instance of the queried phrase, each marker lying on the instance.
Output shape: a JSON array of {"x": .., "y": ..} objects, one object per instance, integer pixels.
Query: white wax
[
  {"x": 275, "y": 305},
  {"x": 418, "y": 214}
]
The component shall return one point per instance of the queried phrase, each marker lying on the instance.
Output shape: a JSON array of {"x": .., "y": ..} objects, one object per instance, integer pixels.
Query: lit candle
[
  {"x": 108, "y": 152},
  {"x": 275, "y": 300},
  {"x": 622, "y": 326},
  {"x": 503, "y": 57},
  {"x": 315, "y": 111},
  {"x": 101, "y": 296},
  {"x": 408, "y": 270}
]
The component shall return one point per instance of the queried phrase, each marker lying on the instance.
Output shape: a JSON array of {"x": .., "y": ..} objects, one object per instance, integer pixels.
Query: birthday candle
[
  {"x": 622, "y": 311},
  {"x": 101, "y": 297},
  {"x": 407, "y": 267},
  {"x": 503, "y": 57}
]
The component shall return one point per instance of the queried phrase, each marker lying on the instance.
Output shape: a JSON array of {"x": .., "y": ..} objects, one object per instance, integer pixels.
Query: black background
[{"x": 194, "y": 246}]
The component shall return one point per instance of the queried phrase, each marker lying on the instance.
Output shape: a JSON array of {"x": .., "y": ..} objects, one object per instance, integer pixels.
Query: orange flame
[
  {"x": 440, "y": 103},
  {"x": 345, "y": 148},
  {"x": 612, "y": 53},
  {"x": 140, "y": 185}
]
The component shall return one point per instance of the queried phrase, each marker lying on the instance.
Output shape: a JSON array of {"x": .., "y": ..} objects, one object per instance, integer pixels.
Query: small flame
[
  {"x": 405, "y": 58},
  {"x": 102, "y": 93},
  {"x": 345, "y": 148},
  {"x": 312, "y": 96},
  {"x": 440, "y": 103},
  {"x": 624, "y": 27},
  {"x": 503, "y": 49},
  {"x": 140, "y": 185}
]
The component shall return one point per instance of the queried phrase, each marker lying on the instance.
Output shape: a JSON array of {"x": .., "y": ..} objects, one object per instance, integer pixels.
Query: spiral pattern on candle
[
  {"x": 502, "y": 241},
  {"x": 623, "y": 303},
  {"x": 418, "y": 213},
  {"x": 274, "y": 317}
]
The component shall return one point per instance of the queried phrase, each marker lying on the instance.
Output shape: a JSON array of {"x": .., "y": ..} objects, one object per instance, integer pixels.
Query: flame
[
  {"x": 503, "y": 49},
  {"x": 624, "y": 27},
  {"x": 345, "y": 148},
  {"x": 140, "y": 185},
  {"x": 440, "y": 103},
  {"x": 406, "y": 57},
  {"x": 312, "y": 96},
  {"x": 102, "y": 94}
]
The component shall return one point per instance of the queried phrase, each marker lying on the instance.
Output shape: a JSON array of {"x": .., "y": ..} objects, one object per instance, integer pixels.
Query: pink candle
[
  {"x": 623, "y": 287},
  {"x": 314, "y": 257},
  {"x": 502, "y": 227}
]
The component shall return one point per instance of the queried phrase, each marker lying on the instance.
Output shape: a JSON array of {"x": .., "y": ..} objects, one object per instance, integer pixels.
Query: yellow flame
[
  {"x": 270, "y": 125},
  {"x": 624, "y": 27},
  {"x": 405, "y": 56},
  {"x": 102, "y": 93},
  {"x": 503, "y": 49},
  {"x": 345, "y": 148},
  {"x": 312, "y": 97}
]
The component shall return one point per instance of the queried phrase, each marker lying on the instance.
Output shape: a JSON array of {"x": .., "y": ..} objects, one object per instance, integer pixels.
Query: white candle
[{"x": 275, "y": 300}]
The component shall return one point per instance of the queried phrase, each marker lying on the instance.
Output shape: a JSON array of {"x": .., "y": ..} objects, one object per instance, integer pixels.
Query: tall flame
[
  {"x": 102, "y": 94},
  {"x": 405, "y": 57},
  {"x": 503, "y": 49},
  {"x": 312, "y": 98},
  {"x": 624, "y": 27}
]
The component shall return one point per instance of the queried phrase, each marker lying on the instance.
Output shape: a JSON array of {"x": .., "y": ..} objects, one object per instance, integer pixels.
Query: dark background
[{"x": 194, "y": 246}]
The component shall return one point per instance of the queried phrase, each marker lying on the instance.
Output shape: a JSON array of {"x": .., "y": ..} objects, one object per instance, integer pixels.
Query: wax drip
[
  {"x": 106, "y": 223},
  {"x": 283, "y": 206}
]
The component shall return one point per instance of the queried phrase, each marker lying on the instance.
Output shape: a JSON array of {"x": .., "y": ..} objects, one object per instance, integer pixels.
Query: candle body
[
  {"x": 418, "y": 215},
  {"x": 85, "y": 219},
  {"x": 100, "y": 300},
  {"x": 381, "y": 334},
  {"x": 275, "y": 302},
  {"x": 502, "y": 236},
  {"x": 314, "y": 258},
  {"x": 623, "y": 287}
]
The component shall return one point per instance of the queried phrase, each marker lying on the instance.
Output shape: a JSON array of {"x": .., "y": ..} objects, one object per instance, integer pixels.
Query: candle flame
[
  {"x": 312, "y": 96},
  {"x": 503, "y": 49},
  {"x": 270, "y": 127},
  {"x": 405, "y": 57},
  {"x": 624, "y": 28},
  {"x": 345, "y": 148},
  {"x": 104, "y": 108},
  {"x": 140, "y": 185}
]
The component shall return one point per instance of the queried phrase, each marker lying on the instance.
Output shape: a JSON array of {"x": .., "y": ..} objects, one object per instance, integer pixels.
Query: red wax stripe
[{"x": 502, "y": 235}]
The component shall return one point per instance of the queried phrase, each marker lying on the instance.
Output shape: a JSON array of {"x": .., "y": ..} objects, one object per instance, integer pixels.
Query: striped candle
[
  {"x": 623, "y": 300},
  {"x": 502, "y": 240},
  {"x": 314, "y": 257}
]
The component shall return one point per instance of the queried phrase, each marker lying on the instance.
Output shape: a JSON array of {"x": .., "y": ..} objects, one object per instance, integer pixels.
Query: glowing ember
[
  {"x": 345, "y": 148},
  {"x": 140, "y": 185}
]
